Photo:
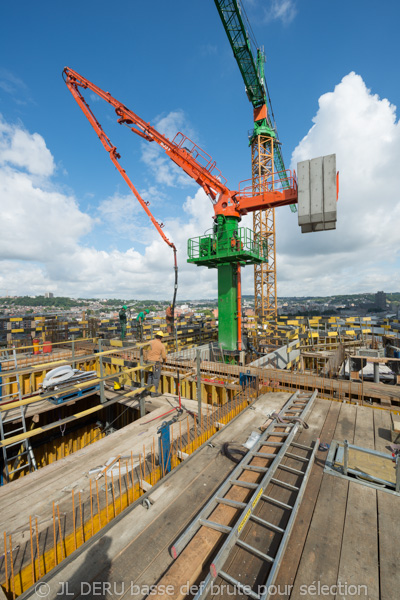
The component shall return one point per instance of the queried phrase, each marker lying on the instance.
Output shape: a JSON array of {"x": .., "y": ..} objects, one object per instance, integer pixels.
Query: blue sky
[{"x": 69, "y": 224}]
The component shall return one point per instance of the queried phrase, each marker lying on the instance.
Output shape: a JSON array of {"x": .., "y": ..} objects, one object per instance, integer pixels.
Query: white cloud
[
  {"x": 37, "y": 223},
  {"x": 276, "y": 10},
  {"x": 42, "y": 246},
  {"x": 123, "y": 216},
  {"x": 18, "y": 148},
  {"x": 362, "y": 253}
]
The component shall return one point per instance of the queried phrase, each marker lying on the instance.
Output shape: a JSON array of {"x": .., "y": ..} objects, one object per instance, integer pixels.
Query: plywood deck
[
  {"x": 345, "y": 534},
  {"x": 342, "y": 533},
  {"x": 36, "y": 492}
]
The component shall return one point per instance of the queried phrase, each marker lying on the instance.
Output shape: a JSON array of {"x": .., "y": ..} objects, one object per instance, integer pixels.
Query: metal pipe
[
  {"x": 376, "y": 372},
  {"x": 346, "y": 457},
  {"x": 239, "y": 306}
]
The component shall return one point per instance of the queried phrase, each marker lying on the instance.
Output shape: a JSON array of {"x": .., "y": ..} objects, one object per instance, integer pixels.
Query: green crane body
[
  {"x": 229, "y": 246},
  {"x": 226, "y": 247}
]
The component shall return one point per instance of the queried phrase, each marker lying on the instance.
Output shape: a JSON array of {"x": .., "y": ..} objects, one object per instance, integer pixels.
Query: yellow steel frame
[{"x": 262, "y": 167}]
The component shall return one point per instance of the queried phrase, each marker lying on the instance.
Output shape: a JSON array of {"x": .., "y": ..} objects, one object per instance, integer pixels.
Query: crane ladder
[
  {"x": 297, "y": 407},
  {"x": 24, "y": 458}
]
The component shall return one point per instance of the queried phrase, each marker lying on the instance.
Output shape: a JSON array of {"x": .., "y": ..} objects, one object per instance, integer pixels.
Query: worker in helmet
[
  {"x": 122, "y": 321},
  {"x": 140, "y": 318},
  {"x": 157, "y": 354},
  {"x": 169, "y": 317}
]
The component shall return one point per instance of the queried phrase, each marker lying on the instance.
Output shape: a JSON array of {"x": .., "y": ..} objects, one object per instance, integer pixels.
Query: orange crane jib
[{"x": 187, "y": 155}]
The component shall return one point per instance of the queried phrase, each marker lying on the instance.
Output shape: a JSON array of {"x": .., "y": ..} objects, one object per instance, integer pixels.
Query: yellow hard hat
[{"x": 159, "y": 333}]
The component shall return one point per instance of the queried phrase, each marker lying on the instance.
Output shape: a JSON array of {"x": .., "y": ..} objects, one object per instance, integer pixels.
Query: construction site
[{"x": 264, "y": 462}]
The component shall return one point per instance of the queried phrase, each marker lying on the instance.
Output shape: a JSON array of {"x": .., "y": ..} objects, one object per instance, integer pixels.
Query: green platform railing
[{"x": 214, "y": 249}]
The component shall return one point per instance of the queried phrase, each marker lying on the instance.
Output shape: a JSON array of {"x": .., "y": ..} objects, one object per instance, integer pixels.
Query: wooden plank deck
[
  {"x": 136, "y": 546},
  {"x": 345, "y": 534},
  {"x": 59, "y": 480}
]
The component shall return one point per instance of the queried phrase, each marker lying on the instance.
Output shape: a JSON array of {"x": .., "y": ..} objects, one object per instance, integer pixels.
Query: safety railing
[
  {"x": 278, "y": 182},
  {"x": 213, "y": 246},
  {"x": 199, "y": 155}
]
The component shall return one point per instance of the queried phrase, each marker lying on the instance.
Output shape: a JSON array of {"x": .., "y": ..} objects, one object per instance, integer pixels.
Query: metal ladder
[
  {"x": 11, "y": 462},
  {"x": 298, "y": 406}
]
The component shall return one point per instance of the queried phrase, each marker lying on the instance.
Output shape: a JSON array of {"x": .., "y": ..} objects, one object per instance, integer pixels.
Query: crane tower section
[
  {"x": 262, "y": 166},
  {"x": 266, "y": 157}
]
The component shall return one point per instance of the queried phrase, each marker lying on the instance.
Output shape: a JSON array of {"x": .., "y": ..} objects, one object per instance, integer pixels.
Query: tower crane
[
  {"x": 266, "y": 156},
  {"x": 228, "y": 247}
]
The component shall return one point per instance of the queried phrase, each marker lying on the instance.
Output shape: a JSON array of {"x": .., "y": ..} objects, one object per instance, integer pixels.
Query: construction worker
[
  {"x": 156, "y": 355},
  {"x": 140, "y": 318},
  {"x": 169, "y": 317},
  {"x": 122, "y": 321}
]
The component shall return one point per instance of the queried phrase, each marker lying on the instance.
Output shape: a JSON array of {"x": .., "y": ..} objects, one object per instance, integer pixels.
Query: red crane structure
[
  {"x": 229, "y": 247},
  {"x": 185, "y": 153}
]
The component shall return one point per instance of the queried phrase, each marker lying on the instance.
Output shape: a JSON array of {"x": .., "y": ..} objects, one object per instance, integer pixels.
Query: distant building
[
  {"x": 380, "y": 300},
  {"x": 49, "y": 295}
]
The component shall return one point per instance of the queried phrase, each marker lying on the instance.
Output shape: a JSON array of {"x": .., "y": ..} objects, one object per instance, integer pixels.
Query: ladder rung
[
  {"x": 266, "y": 524},
  {"x": 297, "y": 457},
  {"x": 14, "y": 458},
  {"x": 277, "y": 502},
  {"x": 257, "y": 469},
  {"x": 296, "y": 445},
  {"x": 263, "y": 455},
  {"x": 12, "y": 421},
  {"x": 8, "y": 433},
  {"x": 228, "y": 502},
  {"x": 19, "y": 469},
  {"x": 279, "y": 433},
  {"x": 13, "y": 444},
  {"x": 242, "y": 588},
  {"x": 255, "y": 551},
  {"x": 245, "y": 484},
  {"x": 291, "y": 470},
  {"x": 284, "y": 484},
  {"x": 272, "y": 444},
  {"x": 216, "y": 526}
]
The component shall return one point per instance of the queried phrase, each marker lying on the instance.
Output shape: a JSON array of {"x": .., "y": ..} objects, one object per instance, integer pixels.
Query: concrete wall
[
  {"x": 279, "y": 358},
  {"x": 317, "y": 193}
]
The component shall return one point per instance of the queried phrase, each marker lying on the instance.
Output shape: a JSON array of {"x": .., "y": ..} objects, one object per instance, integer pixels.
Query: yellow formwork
[{"x": 16, "y": 583}]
